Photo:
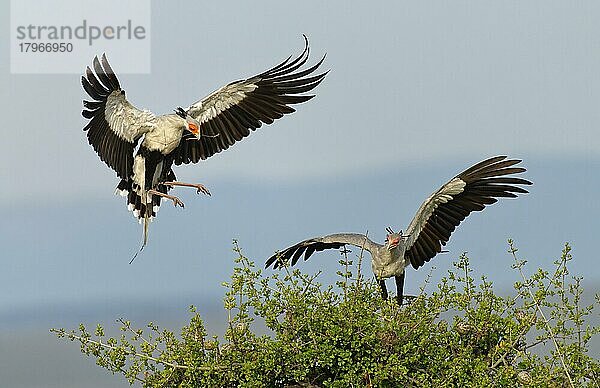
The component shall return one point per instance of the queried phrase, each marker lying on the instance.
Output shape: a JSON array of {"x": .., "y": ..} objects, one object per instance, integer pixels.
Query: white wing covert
[
  {"x": 230, "y": 114},
  {"x": 115, "y": 125}
]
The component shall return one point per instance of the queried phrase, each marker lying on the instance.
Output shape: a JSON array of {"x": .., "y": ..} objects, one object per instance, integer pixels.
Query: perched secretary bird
[
  {"x": 207, "y": 127},
  {"x": 436, "y": 219}
]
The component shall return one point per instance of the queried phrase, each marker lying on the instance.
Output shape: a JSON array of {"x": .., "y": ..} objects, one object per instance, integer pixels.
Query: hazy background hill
[
  {"x": 416, "y": 93},
  {"x": 79, "y": 272}
]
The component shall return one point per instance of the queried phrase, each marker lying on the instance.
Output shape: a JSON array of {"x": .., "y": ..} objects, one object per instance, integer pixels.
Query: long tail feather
[{"x": 145, "y": 238}]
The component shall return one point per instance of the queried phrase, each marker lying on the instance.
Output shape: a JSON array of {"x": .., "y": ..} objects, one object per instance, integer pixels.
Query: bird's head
[
  {"x": 192, "y": 125},
  {"x": 392, "y": 239}
]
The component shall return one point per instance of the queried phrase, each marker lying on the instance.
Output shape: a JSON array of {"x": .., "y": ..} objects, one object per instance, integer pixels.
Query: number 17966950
[{"x": 34, "y": 47}]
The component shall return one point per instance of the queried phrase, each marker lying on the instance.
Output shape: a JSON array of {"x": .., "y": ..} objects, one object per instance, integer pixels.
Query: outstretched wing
[
  {"x": 471, "y": 190},
  {"x": 318, "y": 244},
  {"x": 115, "y": 125},
  {"x": 228, "y": 114}
]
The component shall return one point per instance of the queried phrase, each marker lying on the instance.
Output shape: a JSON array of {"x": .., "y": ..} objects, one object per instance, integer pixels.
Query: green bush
[{"x": 344, "y": 335}]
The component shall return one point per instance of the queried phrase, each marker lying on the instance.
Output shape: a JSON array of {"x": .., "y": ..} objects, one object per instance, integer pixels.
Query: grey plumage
[
  {"x": 207, "y": 127},
  {"x": 430, "y": 229}
]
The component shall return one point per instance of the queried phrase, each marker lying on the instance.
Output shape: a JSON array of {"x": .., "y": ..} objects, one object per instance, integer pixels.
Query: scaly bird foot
[
  {"x": 177, "y": 202},
  {"x": 202, "y": 189}
]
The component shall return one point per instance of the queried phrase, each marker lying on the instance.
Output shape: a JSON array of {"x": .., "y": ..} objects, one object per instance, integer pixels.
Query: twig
[
  {"x": 512, "y": 346},
  {"x": 127, "y": 325},
  {"x": 135, "y": 377},
  {"x": 513, "y": 252},
  {"x": 544, "y": 339},
  {"x": 309, "y": 281},
  {"x": 426, "y": 281},
  {"x": 140, "y": 355},
  {"x": 345, "y": 284},
  {"x": 360, "y": 259}
]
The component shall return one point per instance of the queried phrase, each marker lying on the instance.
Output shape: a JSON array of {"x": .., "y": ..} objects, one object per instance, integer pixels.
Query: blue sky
[{"x": 416, "y": 93}]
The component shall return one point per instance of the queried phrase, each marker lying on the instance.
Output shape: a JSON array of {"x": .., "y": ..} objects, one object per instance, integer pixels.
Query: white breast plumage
[{"x": 142, "y": 148}]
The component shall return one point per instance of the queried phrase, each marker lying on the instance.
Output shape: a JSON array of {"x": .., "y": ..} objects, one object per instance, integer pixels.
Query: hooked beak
[
  {"x": 393, "y": 244},
  {"x": 193, "y": 128}
]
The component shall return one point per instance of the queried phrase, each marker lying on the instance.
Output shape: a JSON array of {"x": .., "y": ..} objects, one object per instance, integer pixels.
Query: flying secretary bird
[
  {"x": 430, "y": 229},
  {"x": 207, "y": 127}
]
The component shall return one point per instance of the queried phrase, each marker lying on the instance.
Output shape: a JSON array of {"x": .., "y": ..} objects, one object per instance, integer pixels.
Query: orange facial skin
[{"x": 194, "y": 128}]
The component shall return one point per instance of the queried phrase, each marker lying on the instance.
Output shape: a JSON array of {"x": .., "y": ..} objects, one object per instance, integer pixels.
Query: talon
[
  {"x": 202, "y": 189},
  {"x": 199, "y": 187},
  {"x": 176, "y": 201}
]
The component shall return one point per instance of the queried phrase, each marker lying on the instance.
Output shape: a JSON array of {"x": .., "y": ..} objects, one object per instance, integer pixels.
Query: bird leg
[
  {"x": 384, "y": 293},
  {"x": 199, "y": 187},
  {"x": 400, "y": 288},
  {"x": 176, "y": 201}
]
